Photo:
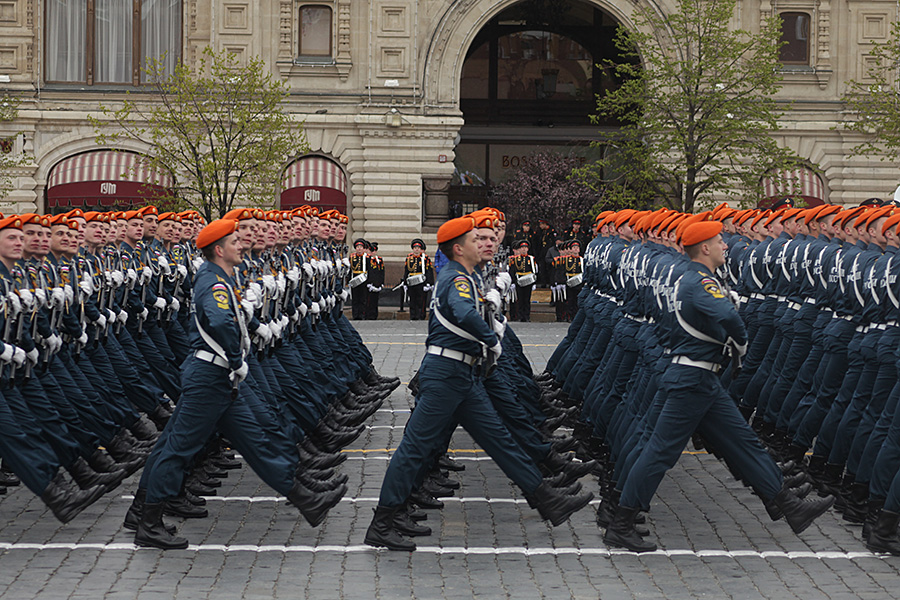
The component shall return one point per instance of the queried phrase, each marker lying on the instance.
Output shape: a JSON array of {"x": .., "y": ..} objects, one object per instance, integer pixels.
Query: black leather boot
[
  {"x": 133, "y": 516},
  {"x": 144, "y": 430},
  {"x": 87, "y": 478},
  {"x": 152, "y": 532},
  {"x": 423, "y": 499},
  {"x": 857, "y": 502},
  {"x": 102, "y": 462},
  {"x": 621, "y": 532},
  {"x": 884, "y": 535},
  {"x": 873, "y": 509},
  {"x": 66, "y": 503},
  {"x": 800, "y": 513},
  {"x": 405, "y": 525},
  {"x": 382, "y": 534},
  {"x": 830, "y": 485},
  {"x": 312, "y": 457},
  {"x": 555, "y": 506},
  {"x": 8, "y": 478},
  {"x": 795, "y": 453},
  {"x": 180, "y": 507},
  {"x": 445, "y": 462},
  {"x": 815, "y": 467},
  {"x": 314, "y": 506}
]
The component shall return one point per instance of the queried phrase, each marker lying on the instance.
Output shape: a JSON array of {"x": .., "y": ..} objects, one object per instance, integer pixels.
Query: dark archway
[{"x": 530, "y": 82}]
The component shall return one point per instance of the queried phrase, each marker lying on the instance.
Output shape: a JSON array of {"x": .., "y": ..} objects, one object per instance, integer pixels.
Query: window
[
  {"x": 109, "y": 41},
  {"x": 315, "y": 31},
  {"x": 795, "y": 35}
]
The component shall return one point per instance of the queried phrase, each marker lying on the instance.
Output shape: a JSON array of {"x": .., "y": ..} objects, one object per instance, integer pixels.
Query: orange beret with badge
[
  {"x": 11, "y": 222},
  {"x": 454, "y": 228},
  {"x": 215, "y": 231},
  {"x": 696, "y": 233}
]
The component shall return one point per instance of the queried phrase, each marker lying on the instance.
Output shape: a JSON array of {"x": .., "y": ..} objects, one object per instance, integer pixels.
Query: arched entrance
[
  {"x": 317, "y": 181},
  {"x": 529, "y": 82}
]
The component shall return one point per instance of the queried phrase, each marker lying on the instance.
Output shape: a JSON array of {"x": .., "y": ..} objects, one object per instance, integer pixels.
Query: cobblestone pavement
[{"x": 487, "y": 542}]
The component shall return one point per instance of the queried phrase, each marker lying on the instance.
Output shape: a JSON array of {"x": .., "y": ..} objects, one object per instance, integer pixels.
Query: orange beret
[
  {"x": 892, "y": 220},
  {"x": 746, "y": 215},
  {"x": 602, "y": 215},
  {"x": 59, "y": 220},
  {"x": 700, "y": 232},
  {"x": 762, "y": 216},
  {"x": 623, "y": 216},
  {"x": 454, "y": 228},
  {"x": 73, "y": 224},
  {"x": 667, "y": 223},
  {"x": 239, "y": 214},
  {"x": 846, "y": 215},
  {"x": 33, "y": 219},
  {"x": 484, "y": 219},
  {"x": 724, "y": 213},
  {"x": 147, "y": 210},
  {"x": 166, "y": 216},
  {"x": 824, "y": 211},
  {"x": 132, "y": 214},
  {"x": 75, "y": 212},
  {"x": 215, "y": 231},
  {"x": 92, "y": 215},
  {"x": 687, "y": 222},
  {"x": 874, "y": 215},
  {"x": 11, "y": 222}
]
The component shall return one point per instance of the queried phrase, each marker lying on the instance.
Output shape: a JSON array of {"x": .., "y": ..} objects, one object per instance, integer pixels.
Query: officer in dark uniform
[
  {"x": 359, "y": 276},
  {"x": 573, "y": 268},
  {"x": 418, "y": 274},
  {"x": 212, "y": 399},
  {"x": 709, "y": 327},
  {"x": 376, "y": 281},
  {"x": 457, "y": 337},
  {"x": 523, "y": 269}
]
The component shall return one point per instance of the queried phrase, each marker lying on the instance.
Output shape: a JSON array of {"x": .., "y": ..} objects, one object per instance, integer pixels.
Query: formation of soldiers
[
  {"x": 100, "y": 311},
  {"x": 696, "y": 325}
]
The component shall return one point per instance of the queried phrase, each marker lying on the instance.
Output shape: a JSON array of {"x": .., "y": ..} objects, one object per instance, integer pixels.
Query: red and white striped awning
[
  {"x": 796, "y": 183},
  {"x": 316, "y": 181},
  {"x": 105, "y": 178}
]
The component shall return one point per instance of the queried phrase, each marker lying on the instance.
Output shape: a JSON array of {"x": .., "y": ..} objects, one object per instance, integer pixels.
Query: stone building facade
[{"x": 416, "y": 103}]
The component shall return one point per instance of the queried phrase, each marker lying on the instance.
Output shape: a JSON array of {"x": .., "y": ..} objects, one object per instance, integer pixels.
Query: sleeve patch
[
  {"x": 462, "y": 285},
  {"x": 219, "y": 286},
  {"x": 221, "y": 298},
  {"x": 712, "y": 287}
]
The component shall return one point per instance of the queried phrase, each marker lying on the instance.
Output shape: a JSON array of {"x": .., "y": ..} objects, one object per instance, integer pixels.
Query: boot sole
[
  {"x": 378, "y": 544},
  {"x": 801, "y": 527},
  {"x": 618, "y": 544},
  {"x": 565, "y": 517}
]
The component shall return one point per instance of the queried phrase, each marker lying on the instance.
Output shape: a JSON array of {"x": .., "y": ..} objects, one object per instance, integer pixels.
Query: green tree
[
  {"x": 9, "y": 110},
  {"x": 695, "y": 108},
  {"x": 876, "y": 102},
  {"x": 220, "y": 131}
]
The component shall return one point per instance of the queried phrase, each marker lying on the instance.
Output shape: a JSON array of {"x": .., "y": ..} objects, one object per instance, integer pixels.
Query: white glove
[
  {"x": 345, "y": 294},
  {"x": 18, "y": 356},
  {"x": 308, "y": 270},
  {"x": 297, "y": 316},
  {"x": 110, "y": 315},
  {"x": 144, "y": 314},
  {"x": 163, "y": 264},
  {"x": 504, "y": 282},
  {"x": 741, "y": 349},
  {"x": 428, "y": 287},
  {"x": 275, "y": 328},
  {"x": 197, "y": 262},
  {"x": 735, "y": 298},
  {"x": 500, "y": 327},
  {"x": 175, "y": 305},
  {"x": 264, "y": 332},
  {"x": 132, "y": 275},
  {"x": 122, "y": 317},
  {"x": 303, "y": 309},
  {"x": 293, "y": 275},
  {"x": 322, "y": 268},
  {"x": 494, "y": 299},
  {"x": 496, "y": 350},
  {"x": 146, "y": 274},
  {"x": 7, "y": 354},
  {"x": 280, "y": 283},
  {"x": 378, "y": 289},
  {"x": 33, "y": 356},
  {"x": 118, "y": 277},
  {"x": 57, "y": 297},
  {"x": 15, "y": 304},
  {"x": 87, "y": 288},
  {"x": 346, "y": 262},
  {"x": 101, "y": 321},
  {"x": 323, "y": 305},
  {"x": 254, "y": 294},
  {"x": 249, "y": 308},
  {"x": 240, "y": 374},
  {"x": 70, "y": 295},
  {"x": 284, "y": 322},
  {"x": 27, "y": 298},
  {"x": 315, "y": 308},
  {"x": 54, "y": 343},
  {"x": 41, "y": 297},
  {"x": 269, "y": 284},
  {"x": 371, "y": 287},
  {"x": 160, "y": 303},
  {"x": 82, "y": 339},
  {"x": 182, "y": 271}
]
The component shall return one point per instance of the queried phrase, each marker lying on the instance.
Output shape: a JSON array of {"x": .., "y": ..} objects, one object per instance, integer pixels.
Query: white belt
[
  {"x": 634, "y": 318},
  {"x": 700, "y": 364},
  {"x": 880, "y": 326},
  {"x": 209, "y": 357},
  {"x": 781, "y": 298},
  {"x": 844, "y": 317},
  {"x": 810, "y": 300},
  {"x": 892, "y": 324},
  {"x": 862, "y": 329},
  {"x": 757, "y": 296},
  {"x": 451, "y": 354},
  {"x": 794, "y": 305}
]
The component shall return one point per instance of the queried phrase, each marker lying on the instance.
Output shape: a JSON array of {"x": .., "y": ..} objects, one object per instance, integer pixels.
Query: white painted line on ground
[
  {"x": 767, "y": 555},
  {"x": 393, "y": 410}
]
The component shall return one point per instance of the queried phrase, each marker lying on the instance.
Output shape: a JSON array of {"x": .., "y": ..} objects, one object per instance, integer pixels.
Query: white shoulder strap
[
  {"x": 446, "y": 323},
  {"x": 887, "y": 283},
  {"x": 690, "y": 329}
]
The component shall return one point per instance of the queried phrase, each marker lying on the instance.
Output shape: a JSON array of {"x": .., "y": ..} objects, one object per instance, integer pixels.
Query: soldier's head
[
  {"x": 36, "y": 235},
  {"x": 11, "y": 240},
  {"x": 486, "y": 236},
  {"x": 150, "y": 217},
  {"x": 417, "y": 246},
  {"x": 220, "y": 244},
  {"x": 246, "y": 228},
  {"x": 95, "y": 230},
  {"x": 889, "y": 230},
  {"x": 457, "y": 240},
  {"x": 703, "y": 243}
]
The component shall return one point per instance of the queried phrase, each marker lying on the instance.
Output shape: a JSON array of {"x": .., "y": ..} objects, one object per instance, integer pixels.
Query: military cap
[
  {"x": 696, "y": 233},
  {"x": 11, "y": 222},
  {"x": 215, "y": 231},
  {"x": 519, "y": 243},
  {"x": 415, "y": 242},
  {"x": 454, "y": 228}
]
